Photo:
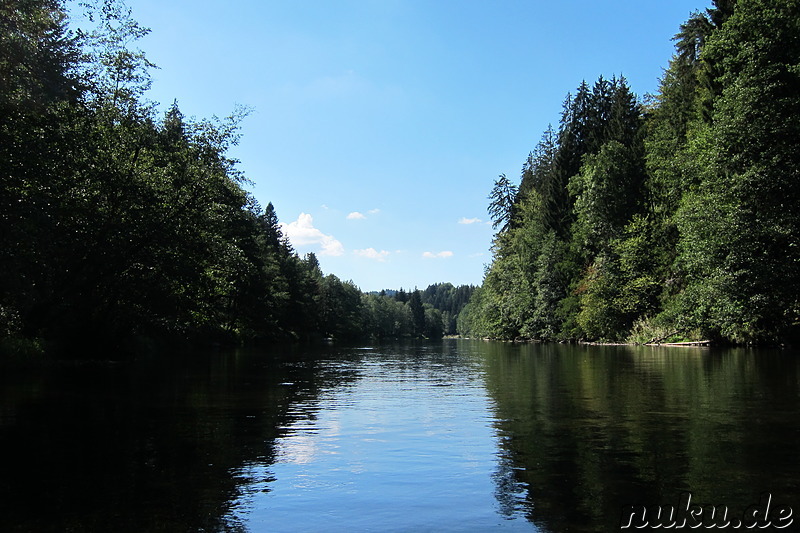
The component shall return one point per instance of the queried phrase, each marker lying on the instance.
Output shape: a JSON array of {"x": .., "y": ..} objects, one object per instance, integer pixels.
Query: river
[{"x": 455, "y": 435}]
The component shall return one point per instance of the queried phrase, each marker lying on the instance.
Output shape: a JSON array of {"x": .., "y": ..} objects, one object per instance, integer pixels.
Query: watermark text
[{"x": 686, "y": 514}]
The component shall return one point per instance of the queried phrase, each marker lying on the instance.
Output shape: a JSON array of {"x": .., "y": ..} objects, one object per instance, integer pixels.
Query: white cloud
[
  {"x": 302, "y": 232},
  {"x": 372, "y": 253},
  {"x": 331, "y": 247},
  {"x": 438, "y": 255},
  {"x": 465, "y": 220},
  {"x": 356, "y": 215}
]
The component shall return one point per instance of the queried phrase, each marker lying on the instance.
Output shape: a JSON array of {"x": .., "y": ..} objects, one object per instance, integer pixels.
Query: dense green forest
[
  {"x": 671, "y": 218},
  {"x": 123, "y": 229},
  {"x": 665, "y": 218}
]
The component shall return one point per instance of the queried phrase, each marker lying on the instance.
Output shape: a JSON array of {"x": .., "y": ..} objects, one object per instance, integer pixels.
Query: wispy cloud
[
  {"x": 357, "y": 215},
  {"x": 438, "y": 255},
  {"x": 372, "y": 253},
  {"x": 465, "y": 220},
  {"x": 302, "y": 232},
  {"x": 347, "y": 84}
]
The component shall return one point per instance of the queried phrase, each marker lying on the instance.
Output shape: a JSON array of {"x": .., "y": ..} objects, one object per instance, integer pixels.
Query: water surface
[{"x": 449, "y": 436}]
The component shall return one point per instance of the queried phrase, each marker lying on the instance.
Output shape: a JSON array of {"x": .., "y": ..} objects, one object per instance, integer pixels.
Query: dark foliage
[{"x": 676, "y": 220}]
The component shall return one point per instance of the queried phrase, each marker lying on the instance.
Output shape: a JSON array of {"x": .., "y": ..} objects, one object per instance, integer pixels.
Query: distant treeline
[
  {"x": 673, "y": 218},
  {"x": 431, "y": 313},
  {"x": 122, "y": 228}
]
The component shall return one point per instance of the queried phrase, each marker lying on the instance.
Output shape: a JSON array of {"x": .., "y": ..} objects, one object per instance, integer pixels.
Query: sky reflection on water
[{"x": 451, "y": 436}]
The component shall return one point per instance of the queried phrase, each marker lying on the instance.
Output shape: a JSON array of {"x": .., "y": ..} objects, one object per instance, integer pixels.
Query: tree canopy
[
  {"x": 123, "y": 228},
  {"x": 675, "y": 219}
]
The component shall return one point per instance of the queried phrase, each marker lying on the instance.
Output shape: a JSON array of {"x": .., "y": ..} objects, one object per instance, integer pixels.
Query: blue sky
[{"x": 378, "y": 126}]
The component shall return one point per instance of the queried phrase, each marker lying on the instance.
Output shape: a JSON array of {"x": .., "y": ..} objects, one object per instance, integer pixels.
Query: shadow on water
[
  {"x": 590, "y": 430},
  {"x": 579, "y": 432},
  {"x": 152, "y": 446}
]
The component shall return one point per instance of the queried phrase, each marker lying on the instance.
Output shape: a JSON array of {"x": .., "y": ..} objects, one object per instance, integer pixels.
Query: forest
[
  {"x": 664, "y": 218},
  {"x": 124, "y": 230},
  {"x": 668, "y": 218}
]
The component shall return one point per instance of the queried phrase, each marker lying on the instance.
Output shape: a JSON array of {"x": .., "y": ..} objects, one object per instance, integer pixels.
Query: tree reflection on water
[
  {"x": 190, "y": 443},
  {"x": 144, "y": 447},
  {"x": 590, "y": 430}
]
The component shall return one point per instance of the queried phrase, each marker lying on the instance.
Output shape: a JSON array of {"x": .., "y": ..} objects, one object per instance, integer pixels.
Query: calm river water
[{"x": 456, "y": 435}]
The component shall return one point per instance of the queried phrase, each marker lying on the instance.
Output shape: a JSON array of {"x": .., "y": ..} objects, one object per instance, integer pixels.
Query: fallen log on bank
[{"x": 687, "y": 343}]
